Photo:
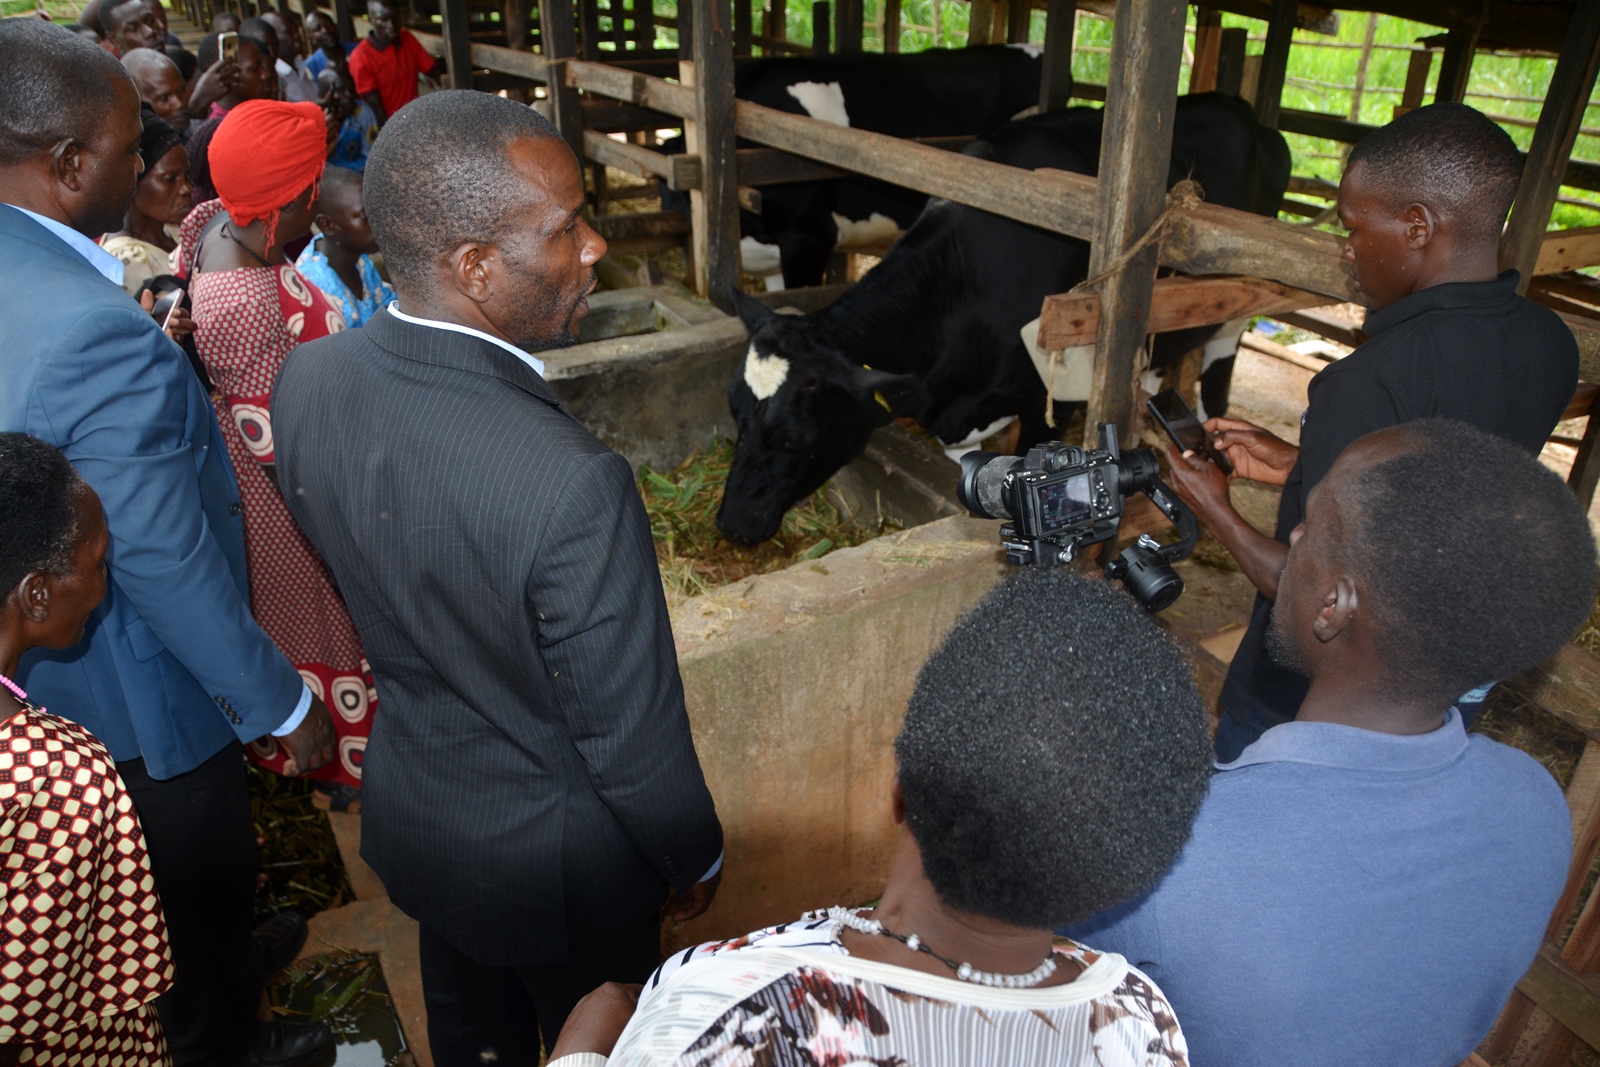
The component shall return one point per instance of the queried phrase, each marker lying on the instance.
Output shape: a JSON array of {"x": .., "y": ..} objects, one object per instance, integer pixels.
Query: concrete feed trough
[{"x": 796, "y": 681}]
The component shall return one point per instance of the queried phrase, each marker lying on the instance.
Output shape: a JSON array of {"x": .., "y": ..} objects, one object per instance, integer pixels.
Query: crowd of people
[{"x": 247, "y": 483}]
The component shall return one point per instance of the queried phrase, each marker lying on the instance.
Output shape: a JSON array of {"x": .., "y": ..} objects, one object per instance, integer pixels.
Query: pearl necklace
[
  {"x": 852, "y": 918},
  {"x": 16, "y": 691}
]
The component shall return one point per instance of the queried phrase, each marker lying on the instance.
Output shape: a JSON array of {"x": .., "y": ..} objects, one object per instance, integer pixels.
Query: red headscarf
[{"x": 266, "y": 153}]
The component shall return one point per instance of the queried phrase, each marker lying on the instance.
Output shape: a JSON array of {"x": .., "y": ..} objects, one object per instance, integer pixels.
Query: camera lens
[
  {"x": 982, "y": 486},
  {"x": 1151, "y": 579}
]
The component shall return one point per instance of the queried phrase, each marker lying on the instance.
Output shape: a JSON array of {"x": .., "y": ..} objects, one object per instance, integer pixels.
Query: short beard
[
  {"x": 564, "y": 336},
  {"x": 1282, "y": 649}
]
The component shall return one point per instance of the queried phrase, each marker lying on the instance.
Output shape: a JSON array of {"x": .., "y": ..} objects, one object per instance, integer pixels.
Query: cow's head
[{"x": 803, "y": 410}]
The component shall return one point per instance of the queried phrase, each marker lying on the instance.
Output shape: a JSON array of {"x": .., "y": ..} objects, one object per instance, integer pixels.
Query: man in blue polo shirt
[{"x": 1367, "y": 883}]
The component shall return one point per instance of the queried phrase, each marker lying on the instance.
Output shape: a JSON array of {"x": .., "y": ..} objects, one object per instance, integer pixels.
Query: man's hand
[
  {"x": 213, "y": 85},
  {"x": 1202, "y": 485},
  {"x": 1254, "y": 453},
  {"x": 681, "y": 907},
  {"x": 311, "y": 743},
  {"x": 598, "y": 1020}
]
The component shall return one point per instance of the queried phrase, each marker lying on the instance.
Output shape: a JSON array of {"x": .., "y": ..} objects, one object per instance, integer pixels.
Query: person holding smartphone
[{"x": 1424, "y": 200}]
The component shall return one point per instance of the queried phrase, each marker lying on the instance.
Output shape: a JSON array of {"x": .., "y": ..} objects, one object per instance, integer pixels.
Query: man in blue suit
[{"x": 172, "y": 673}]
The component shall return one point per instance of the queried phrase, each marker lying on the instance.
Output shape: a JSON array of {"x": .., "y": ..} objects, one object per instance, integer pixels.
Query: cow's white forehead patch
[
  {"x": 764, "y": 375},
  {"x": 823, "y": 101}
]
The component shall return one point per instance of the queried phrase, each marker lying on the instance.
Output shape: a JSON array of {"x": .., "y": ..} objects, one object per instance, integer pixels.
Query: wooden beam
[
  {"x": 979, "y": 21},
  {"x": 1230, "y": 60},
  {"x": 644, "y": 25},
  {"x": 1018, "y": 15},
  {"x": 1275, "y": 61},
  {"x": 1323, "y": 325},
  {"x": 775, "y": 19},
  {"x": 632, "y": 227},
  {"x": 1567, "y": 686},
  {"x": 821, "y": 32},
  {"x": 1460, "y": 45},
  {"x": 685, "y": 23},
  {"x": 891, "y": 25},
  {"x": 1572, "y": 999},
  {"x": 457, "y": 43},
  {"x": 1055, "y": 81},
  {"x": 1071, "y": 319},
  {"x": 1559, "y": 119},
  {"x": 741, "y": 27},
  {"x": 715, "y": 204},
  {"x": 639, "y": 89},
  {"x": 1135, "y": 153},
  {"x": 1207, "y": 49},
  {"x": 1585, "y": 475},
  {"x": 779, "y": 45},
  {"x": 681, "y": 171},
  {"x": 847, "y": 26},
  {"x": 559, "y": 41},
  {"x": 514, "y": 61},
  {"x": 589, "y": 19}
]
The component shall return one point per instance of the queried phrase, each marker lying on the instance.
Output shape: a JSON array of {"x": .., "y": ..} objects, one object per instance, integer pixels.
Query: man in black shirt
[{"x": 1424, "y": 200}]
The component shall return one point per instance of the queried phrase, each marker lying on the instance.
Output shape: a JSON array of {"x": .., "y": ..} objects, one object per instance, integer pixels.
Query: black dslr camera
[{"x": 1061, "y": 498}]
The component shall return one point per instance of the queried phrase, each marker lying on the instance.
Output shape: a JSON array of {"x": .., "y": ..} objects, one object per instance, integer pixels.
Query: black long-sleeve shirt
[{"x": 1474, "y": 351}]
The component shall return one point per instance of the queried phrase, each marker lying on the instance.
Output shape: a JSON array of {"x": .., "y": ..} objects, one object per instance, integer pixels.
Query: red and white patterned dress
[
  {"x": 246, "y": 323},
  {"x": 84, "y": 947}
]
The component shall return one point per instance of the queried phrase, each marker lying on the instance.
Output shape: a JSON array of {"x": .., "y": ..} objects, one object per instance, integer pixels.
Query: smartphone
[
  {"x": 228, "y": 43},
  {"x": 167, "y": 306},
  {"x": 1185, "y": 428}
]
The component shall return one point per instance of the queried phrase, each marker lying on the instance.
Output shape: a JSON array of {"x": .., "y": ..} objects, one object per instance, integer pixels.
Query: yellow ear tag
[{"x": 877, "y": 394}]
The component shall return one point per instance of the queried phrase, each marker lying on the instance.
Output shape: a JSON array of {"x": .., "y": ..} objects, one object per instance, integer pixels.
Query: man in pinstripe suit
[{"x": 532, "y": 794}]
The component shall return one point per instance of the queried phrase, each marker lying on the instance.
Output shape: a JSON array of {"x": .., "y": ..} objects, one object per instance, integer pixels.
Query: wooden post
[
  {"x": 589, "y": 14},
  {"x": 644, "y": 25},
  {"x": 1275, "y": 61},
  {"x": 457, "y": 43},
  {"x": 1586, "y": 465},
  {"x": 1459, "y": 47},
  {"x": 847, "y": 26},
  {"x": 558, "y": 41},
  {"x": 341, "y": 15},
  {"x": 979, "y": 21},
  {"x": 1362, "y": 65},
  {"x": 741, "y": 27},
  {"x": 1018, "y": 13},
  {"x": 1230, "y": 60},
  {"x": 1418, "y": 67},
  {"x": 1207, "y": 49},
  {"x": 1055, "y": 82},
  {"x": 715, "y": 205},
  {"x": 820, "y": 29},
  {"x": 685, "y": 29},
  {"x": 891, "y": 25},
  {"x": 1559, "y": 119},
  {"x": 777, "y": 20},
  {"x": 515, "y": 14},
  {"x": 1135, "y": 153}
]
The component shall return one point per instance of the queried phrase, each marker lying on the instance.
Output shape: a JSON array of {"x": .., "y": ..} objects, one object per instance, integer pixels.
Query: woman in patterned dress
[
  {"x": 1053, "y": 758},
  {"x": 83, "y": 945},
  {"x": 251, "y": 307}
]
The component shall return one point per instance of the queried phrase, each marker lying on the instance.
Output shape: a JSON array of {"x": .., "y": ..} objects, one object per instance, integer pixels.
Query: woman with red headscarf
[{"x": 251, "y": 307}]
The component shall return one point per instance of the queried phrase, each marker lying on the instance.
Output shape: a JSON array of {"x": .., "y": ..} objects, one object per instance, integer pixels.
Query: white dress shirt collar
[
  {"x": 454, "y": 327},
  {"x": 101, "y": 260}
]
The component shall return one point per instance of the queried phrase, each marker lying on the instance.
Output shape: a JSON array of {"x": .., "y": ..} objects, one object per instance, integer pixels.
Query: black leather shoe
[
  {"x": 279, "y": 939},
  {"x": 289, "y": 1044}
]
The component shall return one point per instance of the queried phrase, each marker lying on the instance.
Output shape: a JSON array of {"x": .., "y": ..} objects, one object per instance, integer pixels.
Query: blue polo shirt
[{"x": 1351, "y": 897}]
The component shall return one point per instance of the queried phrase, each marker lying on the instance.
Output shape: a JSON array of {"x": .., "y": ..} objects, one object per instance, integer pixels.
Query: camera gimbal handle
[{"x": 1177, "y": 513}]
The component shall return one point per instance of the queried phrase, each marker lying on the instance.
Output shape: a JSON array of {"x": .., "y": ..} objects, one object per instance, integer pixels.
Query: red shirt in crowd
[{"x": 391, "y": 73}]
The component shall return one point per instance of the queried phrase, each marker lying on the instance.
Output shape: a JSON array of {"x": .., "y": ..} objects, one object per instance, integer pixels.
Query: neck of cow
[{"x": 894, "y": 318}]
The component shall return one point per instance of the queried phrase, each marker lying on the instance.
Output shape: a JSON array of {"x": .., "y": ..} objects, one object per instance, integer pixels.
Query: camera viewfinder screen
[{"x": 1065, "y": 503}]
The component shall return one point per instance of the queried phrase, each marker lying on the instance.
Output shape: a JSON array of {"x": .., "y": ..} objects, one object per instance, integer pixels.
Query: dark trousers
[
  {"x": 481, "y": 1015},
  {"x": 202, "y": 848}
]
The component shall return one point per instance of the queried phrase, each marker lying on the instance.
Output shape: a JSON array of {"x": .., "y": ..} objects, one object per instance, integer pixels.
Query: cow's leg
[{"x": 1216, "y": 368}]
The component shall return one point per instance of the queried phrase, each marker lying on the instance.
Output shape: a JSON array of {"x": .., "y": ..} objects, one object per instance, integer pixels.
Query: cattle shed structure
[{"x": 608, "y": 87}]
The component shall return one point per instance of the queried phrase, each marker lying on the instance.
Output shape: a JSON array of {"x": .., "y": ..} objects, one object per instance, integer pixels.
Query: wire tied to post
[{"x": 1183, "y": 198}]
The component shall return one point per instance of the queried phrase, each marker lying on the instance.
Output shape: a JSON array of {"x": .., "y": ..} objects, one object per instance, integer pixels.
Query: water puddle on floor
[{"x": 346, "y": 991}]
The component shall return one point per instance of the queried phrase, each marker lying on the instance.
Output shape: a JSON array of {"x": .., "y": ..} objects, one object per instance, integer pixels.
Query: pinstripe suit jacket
[{"x": 530, "y": 768}]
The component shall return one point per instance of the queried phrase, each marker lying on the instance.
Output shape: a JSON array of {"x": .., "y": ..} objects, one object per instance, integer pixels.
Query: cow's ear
[
  {"x": 898, "y": 394},
  {"x": 754, "y": 313}
]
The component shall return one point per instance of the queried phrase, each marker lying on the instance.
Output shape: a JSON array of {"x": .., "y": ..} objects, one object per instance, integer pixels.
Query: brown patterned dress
[{"x": 84, "y": 947}]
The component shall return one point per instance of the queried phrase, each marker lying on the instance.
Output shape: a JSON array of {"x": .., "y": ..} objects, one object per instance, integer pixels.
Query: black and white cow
[
  {"x": 937, "y": 93},
  {"x": 934, "y": 331}
]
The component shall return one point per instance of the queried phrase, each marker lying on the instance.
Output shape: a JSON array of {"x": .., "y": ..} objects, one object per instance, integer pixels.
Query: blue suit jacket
[{"x": 172, "y": 666}]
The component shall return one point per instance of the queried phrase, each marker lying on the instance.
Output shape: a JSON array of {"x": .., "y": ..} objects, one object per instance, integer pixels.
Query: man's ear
[
  {"x": 67, "y": 159},
  {"x": 1422, "y": 224},
  {"x": 470, "y": 271},
  {"x": 322, "y": 222},
  {"x": 1338, "y": 609},
  {"x": 33, "y": 597}
]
